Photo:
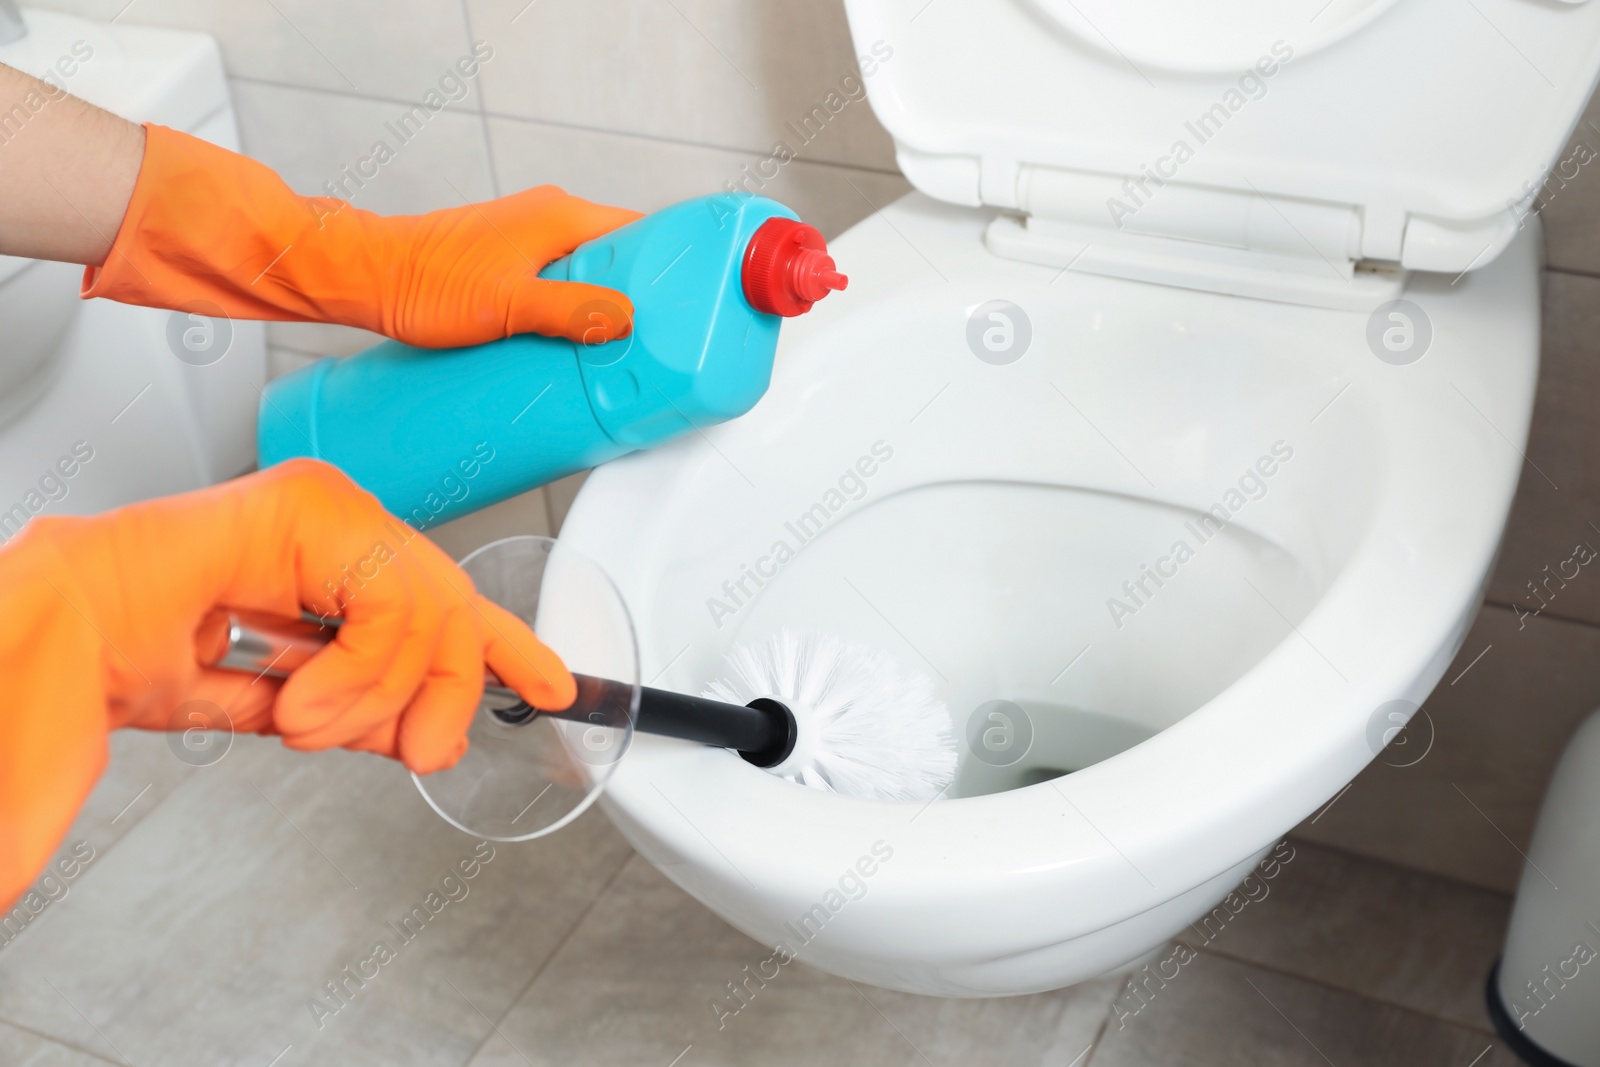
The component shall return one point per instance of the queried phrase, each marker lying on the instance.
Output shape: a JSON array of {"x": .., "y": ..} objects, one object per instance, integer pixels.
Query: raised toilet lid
[{"x": 1416, "y": 131}]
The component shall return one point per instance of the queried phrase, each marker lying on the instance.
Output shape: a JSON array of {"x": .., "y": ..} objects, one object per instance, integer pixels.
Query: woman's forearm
[{"x": 67, "y": 171}]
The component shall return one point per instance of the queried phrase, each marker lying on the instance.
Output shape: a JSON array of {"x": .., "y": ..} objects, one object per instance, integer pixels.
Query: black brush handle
[{"x": 763, "y": 732}]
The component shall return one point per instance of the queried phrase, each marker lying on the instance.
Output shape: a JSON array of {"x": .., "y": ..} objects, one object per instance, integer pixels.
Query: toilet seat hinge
[{"x": 1244, "y": 243}]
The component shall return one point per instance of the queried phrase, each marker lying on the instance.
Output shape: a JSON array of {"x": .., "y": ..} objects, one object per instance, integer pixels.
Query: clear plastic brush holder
[{"x": 519, "y": 781}]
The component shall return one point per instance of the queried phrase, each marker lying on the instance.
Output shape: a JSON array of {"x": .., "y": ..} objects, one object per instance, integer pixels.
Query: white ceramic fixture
[
  {"x": 1182, "y": 513},
  {"x": 96, "y": 388},
  {"x": 1538, "y": 1000}
]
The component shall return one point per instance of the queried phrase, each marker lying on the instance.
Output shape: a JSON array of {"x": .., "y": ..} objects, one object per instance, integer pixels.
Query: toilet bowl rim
[
  {"x": 1314, "y": 770},
  {"x": 1229, "y": 821}
]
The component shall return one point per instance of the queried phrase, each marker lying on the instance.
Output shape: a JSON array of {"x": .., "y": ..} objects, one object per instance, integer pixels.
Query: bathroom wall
[{"x": 642, "y": 104}]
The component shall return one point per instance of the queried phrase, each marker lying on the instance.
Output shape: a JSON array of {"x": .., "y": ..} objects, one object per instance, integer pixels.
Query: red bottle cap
[{"x": 787, "y": 268}]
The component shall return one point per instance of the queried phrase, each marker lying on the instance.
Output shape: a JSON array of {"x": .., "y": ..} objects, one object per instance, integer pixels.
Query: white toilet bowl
[
  {"x": 1013, "y": 504},
  {"x": 109, "y": 392},
  {"x": 1187, "y": 495}
]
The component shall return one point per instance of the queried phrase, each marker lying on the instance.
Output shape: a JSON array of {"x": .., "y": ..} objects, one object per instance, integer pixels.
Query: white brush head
[{"x": 866, "y": 726}]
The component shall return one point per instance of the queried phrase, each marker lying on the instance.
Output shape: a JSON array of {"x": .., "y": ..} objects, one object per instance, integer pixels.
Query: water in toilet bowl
[
  {"x": 1048, "y": 663},
  {"x": 1012, "y": 744}
]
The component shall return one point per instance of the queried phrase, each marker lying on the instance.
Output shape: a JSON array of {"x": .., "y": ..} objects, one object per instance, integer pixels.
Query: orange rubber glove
[
  {"x": 97, "y": 631},
  {"x": 206, "y": 224}
]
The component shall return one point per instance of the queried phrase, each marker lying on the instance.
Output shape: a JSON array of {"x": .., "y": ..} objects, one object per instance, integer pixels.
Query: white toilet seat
[{"x": 1134, "y": 403}]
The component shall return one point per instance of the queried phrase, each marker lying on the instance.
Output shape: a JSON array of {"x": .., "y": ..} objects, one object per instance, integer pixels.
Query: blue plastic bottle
[{"x": 438, "y": 433}]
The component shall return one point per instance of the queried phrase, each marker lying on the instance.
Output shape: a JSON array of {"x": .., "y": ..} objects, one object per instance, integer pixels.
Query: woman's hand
[
  {"x": 97, "y": 628},
  {"x": 167, "y": 220},
  {"x": 206, "y": 224}
]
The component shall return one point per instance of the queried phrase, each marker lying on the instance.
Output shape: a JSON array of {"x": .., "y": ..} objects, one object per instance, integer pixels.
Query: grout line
[
  {"x": 1485, "y": 1028},
  {"x": 309, "y": 354},
  {"x": 60, "y": 1042},
  {"x": 549, "y": 511},
  {"x": 1451, "y": 880},
  {"x": 487, "y": 114},
  {"x": 375, "y": 98},
  {"x": 482, "y": 109},
  {"x": 861, "y": 168},
  {"x": 1591, "y": 274},
  {"x": 1556, "y": 616},
  {"x": 488, "y": 147},
  {"x": 471, "y": 42},
  {"x": 127, "y": 831},
  {"x": 549, "y": 959}
]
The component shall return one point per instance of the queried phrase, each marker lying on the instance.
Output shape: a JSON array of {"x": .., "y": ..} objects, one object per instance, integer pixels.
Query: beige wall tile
[
  {"x": 647, "y": 174},
  {"x": 636, "y": 982},
  {"x": 308, "y": 136},
  {"x": 1368, "y": 927},
  {"x": 561, "y": 493},
  {"x": 320, "y": 338},
  {"x": 390, "y": 48},
  {"x": 1466, "y": 807},
  {"x": 524, "y": 514},
  {"x": 281, "y": 361},
  {"x": 1547, "y": 524},
  {"x": 719, "y": 72}
]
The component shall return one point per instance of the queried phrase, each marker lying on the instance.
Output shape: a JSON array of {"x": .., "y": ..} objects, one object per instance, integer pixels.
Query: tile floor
[{"x": 222, "y": 901}]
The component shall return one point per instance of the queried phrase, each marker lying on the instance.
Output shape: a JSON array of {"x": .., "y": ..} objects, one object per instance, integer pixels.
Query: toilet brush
[{"x": 814, "y": 709}]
